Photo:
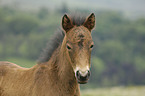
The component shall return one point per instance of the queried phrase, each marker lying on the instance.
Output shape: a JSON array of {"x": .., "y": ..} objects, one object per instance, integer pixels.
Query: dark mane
[
  {"x": 57, "y": 39},
  {"x": 78, "y": 19}
]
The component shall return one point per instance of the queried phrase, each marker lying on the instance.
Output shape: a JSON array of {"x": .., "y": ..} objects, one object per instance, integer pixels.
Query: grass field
[{"x": 115, "y": 91}]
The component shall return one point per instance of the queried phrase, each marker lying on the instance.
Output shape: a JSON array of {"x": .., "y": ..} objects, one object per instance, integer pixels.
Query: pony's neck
[{"x": 61, "y": 63}]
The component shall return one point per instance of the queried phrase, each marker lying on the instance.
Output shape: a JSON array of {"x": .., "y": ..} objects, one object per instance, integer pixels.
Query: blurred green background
[{"x": 118, "y": 58}]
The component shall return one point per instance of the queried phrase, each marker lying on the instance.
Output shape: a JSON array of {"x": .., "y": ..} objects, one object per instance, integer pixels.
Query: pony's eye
[
  {"x": 91, "y": 46},
  {"x": 68, "y": 47}
]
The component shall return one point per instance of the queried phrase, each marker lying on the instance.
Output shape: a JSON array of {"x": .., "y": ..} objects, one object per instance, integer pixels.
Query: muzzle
[{"x": 82, "y": 76}]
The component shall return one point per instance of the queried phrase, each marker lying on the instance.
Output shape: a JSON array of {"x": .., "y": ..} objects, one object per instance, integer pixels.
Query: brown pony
[{"x": 64, "y": 64}]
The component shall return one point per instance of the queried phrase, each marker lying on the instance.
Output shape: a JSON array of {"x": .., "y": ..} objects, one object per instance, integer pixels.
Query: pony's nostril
[
  {"x": 77, "y": 73},
  {"x": 88, "y": 73}
]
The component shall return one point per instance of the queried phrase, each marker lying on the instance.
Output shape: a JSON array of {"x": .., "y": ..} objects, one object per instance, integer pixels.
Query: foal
[{"x": 64, "y": 64}]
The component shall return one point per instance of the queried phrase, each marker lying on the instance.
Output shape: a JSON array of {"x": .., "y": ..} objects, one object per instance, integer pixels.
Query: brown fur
[{"x": 52, "y": 78}]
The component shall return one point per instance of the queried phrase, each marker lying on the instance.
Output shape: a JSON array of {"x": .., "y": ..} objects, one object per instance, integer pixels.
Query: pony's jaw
[{"x": 82, "y": 74}]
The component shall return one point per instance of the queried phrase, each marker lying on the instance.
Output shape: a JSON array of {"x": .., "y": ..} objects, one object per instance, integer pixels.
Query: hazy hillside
[{"x": 129, "y": 7}]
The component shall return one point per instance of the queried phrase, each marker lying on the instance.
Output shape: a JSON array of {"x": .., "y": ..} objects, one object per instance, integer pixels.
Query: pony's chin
[{"x": 82, "y": 82}]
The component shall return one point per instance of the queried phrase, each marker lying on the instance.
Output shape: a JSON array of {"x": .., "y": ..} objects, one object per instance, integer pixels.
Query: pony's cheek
[
  {"x": 72, "y": 56},
  {"x": 73, "y": 62}
]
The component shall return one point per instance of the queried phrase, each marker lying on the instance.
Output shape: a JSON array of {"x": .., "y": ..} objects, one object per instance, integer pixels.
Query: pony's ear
[
  {"x": 90, "y": 22},
  {"x": 66, "y": 23}
]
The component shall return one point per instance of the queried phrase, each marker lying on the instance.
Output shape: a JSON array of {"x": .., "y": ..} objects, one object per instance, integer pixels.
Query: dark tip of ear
[
  {"x": 92, "y": 14},
  {"x": 65, "y": 15}
]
